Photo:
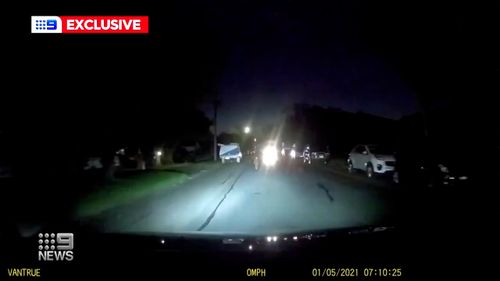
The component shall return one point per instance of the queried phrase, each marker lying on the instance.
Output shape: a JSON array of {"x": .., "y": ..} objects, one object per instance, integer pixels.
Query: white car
[{"x": 372, "y": 159}]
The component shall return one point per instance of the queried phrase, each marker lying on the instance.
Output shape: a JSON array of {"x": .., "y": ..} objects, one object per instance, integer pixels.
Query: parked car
[
  {"x": 372, "y": 159},
  {"x": 428, "y": 166},
  {"x": 319, "y": 155},
  {"x": 230, "y": 152}
]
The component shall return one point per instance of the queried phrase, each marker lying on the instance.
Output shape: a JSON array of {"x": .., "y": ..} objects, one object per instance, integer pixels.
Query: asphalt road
[{"x": 235, "y": 199}]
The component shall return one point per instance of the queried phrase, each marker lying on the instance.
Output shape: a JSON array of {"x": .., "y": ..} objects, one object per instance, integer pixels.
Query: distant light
[
  {"x": 254, "y": 139},
  {"x": 295, "y": 238},
  {"x": 463, "y": 178},
  {"x": 247, "y": 130},
  {"x": 285, "y": 238},
  {"x": 269, "y": 238},
  {"x": 269, "y": 155},
  {"x": 158, "y": 153},
  {"x": 275, "y": 238},
  {"x": 162, "y": 241},
  {"x": 250, "y": 247}
]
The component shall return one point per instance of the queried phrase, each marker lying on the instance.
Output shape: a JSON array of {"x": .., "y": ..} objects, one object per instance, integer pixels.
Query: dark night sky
[
  {"x": 262, "y": 85},
  {"x": 282, "y": 54},
  {"x": 260, "y": 57}
]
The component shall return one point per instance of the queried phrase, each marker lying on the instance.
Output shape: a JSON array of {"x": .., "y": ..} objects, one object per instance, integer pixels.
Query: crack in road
[
  {"x": 321, "y": 186},
  {"x": 212, "y": 215},
  {"x": 230, "y": 175}
]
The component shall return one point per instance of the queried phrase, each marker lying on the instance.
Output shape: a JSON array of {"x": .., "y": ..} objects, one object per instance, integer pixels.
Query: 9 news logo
[
  {"x": 55, "y": 246},
  {"x": 46, "y": 24},
  {"x": 90, "y": 24}
]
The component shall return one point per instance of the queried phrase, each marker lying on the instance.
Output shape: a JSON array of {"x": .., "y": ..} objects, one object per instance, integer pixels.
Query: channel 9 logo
[
  {"x": 55, "y": 246},
  {"x": 46, "y": 24},
  {"x": 90, "y": 24}
]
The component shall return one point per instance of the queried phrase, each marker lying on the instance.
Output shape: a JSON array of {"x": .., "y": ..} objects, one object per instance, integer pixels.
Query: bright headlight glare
[{"x": 269, "y": 156}]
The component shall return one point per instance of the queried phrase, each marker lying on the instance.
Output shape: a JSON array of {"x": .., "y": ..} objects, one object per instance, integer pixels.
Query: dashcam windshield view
[{"x": 243, "y": 139}]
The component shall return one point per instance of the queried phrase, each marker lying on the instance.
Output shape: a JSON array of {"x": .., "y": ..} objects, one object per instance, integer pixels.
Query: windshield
[
  {"x": 383, "y": 150},
  {"x": 163, "y": 128}
]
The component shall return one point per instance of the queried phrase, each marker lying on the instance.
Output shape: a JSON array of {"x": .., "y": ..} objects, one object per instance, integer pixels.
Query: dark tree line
[{"x": 339, "y": 130}]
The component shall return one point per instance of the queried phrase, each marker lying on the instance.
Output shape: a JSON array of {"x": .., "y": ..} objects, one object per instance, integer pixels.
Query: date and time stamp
[
  {"x": 341, "y": 272},
  {"x": 357, "y": 272}
]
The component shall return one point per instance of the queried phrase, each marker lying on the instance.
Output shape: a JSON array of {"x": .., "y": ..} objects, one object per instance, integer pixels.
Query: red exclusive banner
[{"x": 105, "y": 24}]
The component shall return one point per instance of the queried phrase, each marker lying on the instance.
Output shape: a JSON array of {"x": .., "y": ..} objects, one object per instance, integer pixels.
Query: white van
[{"x": 230, "y": 152}]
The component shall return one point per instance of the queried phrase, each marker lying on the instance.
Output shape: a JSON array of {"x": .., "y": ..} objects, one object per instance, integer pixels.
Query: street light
[
  {"x": 158, "y": 153},
  {"x": 247, "y": 130}
]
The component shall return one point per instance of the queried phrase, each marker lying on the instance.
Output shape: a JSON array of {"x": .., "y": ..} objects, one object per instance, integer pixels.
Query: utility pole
[
  {"x": 424, "y": 106},
  {"x": 216, "y": 103}
]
